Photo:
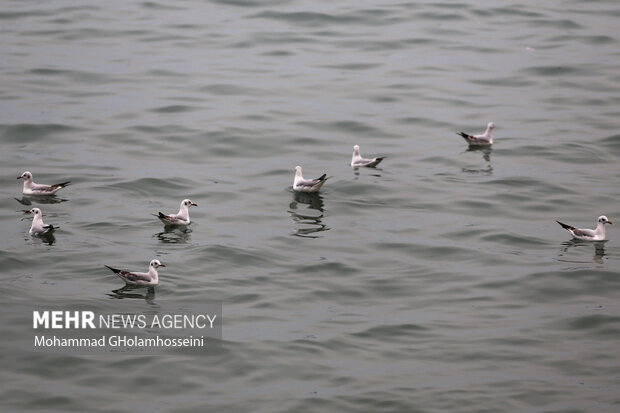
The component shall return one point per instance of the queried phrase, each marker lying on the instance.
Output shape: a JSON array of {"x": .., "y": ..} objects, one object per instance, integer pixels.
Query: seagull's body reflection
[
  {"x": 134, "y": 291},
  {"x": 47, "y": 238},
  {"x": 308, "y": 223},
  {"x": 599, "y": 248},
  {"x": 47, "y": 199},
  {"x": 376, "y": 172},
  {"x": 486, "y": 156},
  {"x": 174, "y": 234}
]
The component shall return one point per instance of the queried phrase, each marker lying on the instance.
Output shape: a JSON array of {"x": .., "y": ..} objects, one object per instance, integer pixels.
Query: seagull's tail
[
  {"x": 114, "y": 270},
  {"x": 566, "y": 227}
]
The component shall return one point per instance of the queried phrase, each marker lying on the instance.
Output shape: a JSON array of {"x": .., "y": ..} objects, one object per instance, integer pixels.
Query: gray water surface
[{"x": 437, "y": 282}]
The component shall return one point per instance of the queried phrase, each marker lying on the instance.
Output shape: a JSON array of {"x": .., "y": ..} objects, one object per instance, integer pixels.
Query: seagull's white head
[
  {"x": 356, "y": 150},
  {"x": 26, "y": 176},
  {"x": 298, "y": 170},
  {"x": 156, "y": 264},
  {"x": 188, "y": 203},
  {"x": 491, "y": 126},
  {"x": 603, "y": 220},
  {"x": 35, "y": 211}
]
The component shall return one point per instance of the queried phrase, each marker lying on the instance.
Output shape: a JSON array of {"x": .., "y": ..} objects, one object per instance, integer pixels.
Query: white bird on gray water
[
  {"x": 307, "y": 185},
  {"x": 485, "y": 139},
  {"x": 38, "y": 227},
  {"x": 181, "y": 218},
  {"x": 140, "y": 278},
  {"x": 357, "y": 160},
  {"x": 597, "y": 234},
  {"x": 30, "y": 188}
]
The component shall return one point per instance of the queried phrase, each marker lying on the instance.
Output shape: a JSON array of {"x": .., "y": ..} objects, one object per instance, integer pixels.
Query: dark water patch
[
  {"x": 354, "y": 66},
  {"x": 601, "y": 325},
  {"x": 15, "y": 15},
  {"x": 278, "y": 53},
  {"x": 514, "y": 240},
  {"x": 150, "y": 186},
  {"x": 174, "y": 109},
  {"x": 516, "y": 10},
  {"x": 434, "y": 16},
  {"x": 73, "y": 75},
  {"x": 504, "y": 82},
  {"x": 344, "y": 126},
  {"x": 555, "y": 70},
  {"x": 251, "y": 3},
  {"x": 150, "y": 5},
  {"x": 317, "y": 19},
  {"x": 423, "y": 122},
  {"x": 231, "y": 90},
  {"x": 564, "y": 24},
  {"x": 236, "y": 257},
  {"x": 612, "y": 143},
  {"x": 26, "y": 133}
]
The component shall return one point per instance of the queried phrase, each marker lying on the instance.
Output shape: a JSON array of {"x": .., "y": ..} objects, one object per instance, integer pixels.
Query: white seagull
[
  {"x": 357, "y": 160},
  {"x": 182, "y": 218},
  {"x": 307, "y": 185},
  {"x": 30, "y": 188},
  {"x": 38, "y": 227},
  {"x": 485, "y": 139},
  {"x": 597, "y": 234},
  {"x": 140, "y": 278}
]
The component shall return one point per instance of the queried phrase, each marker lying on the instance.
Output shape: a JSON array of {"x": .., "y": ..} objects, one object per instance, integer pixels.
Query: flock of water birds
[{"x": 300, "y": 184}]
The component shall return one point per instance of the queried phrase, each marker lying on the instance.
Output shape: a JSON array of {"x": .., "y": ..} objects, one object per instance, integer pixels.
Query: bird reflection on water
[
  {"x": 50, "y": 199},
  {"x": 174, "y": 234},
  {"x": 309, "y": 223},
  {"x": 598, "y": 246},
  {"x": 486, "y": 156},
  {"x": 135, "y": 292}
]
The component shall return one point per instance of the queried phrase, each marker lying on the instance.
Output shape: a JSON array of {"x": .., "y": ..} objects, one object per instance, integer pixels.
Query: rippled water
[{"x": 437, "y": 282}]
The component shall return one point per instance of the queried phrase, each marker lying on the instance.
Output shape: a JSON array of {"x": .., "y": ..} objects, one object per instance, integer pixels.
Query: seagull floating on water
[
  {"x": 307, "y": 185},
  {"x": 485, "y": 139},
  {"x": 182, "y": 218},
  {"x": 38, "y": 227},
  {"x": 357, "y": 160},
  {"x": 597, "y": 234},
  {"x": 140, "y": 278},
  {"x": 30, "y": 188}
]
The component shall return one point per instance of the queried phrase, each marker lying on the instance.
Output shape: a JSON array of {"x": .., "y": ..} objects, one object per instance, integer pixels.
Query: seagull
[
  {"x": 357, "y": 159},
  {"x": 182, "y": 218},
  {"x": 597, "y": 234},
  {"x": 485, "y": 139},
  {"x": 307, "y": 185},
  {"x": 140, "y": 278},
  {"x": 38, "y": 227},
  {"x": 30, "y": 188}
]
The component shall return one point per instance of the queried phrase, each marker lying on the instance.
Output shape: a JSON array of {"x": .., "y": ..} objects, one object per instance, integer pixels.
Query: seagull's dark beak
[
  {"x": 610, "y": 223},
  {"x": 19, "y": 177},
  {"x": 28, "y": 212},
  {"x": 193, "y": 204},
  {"x": 162, "y": 265}
]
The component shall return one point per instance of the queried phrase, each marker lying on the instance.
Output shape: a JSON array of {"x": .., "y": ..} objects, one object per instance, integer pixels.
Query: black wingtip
[
  {"x": 323, "y": 177},
  {"x": 63, "y": 184},
  {"x": 114, "y": 270},
  {"x": 463, "y": 135},
  {"x": 564, "y": 225},
  {"x": 161, "y": 215}
]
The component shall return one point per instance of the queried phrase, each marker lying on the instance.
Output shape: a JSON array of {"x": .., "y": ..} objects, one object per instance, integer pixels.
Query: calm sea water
[{"x": 438, "y": 282}]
